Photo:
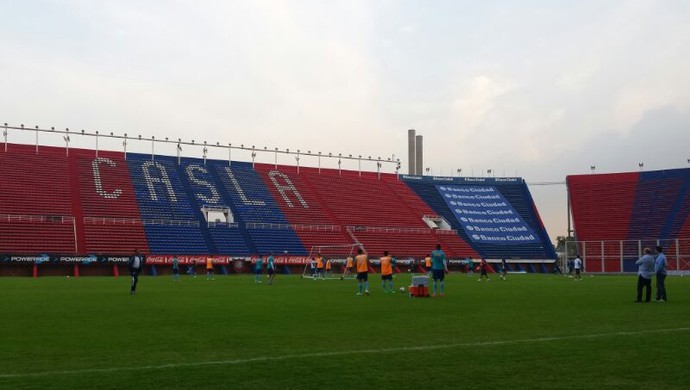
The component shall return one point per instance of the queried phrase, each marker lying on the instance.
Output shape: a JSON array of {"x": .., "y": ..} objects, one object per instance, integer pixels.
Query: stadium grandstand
[
  {"x": 617, "y": 215},
  {"x": 99, "y": 206}
]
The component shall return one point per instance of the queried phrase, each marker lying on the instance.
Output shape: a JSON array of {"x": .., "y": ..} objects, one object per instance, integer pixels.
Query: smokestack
[
  {"x": 410, "y": 152},
  {"x": 419, "y": 155}
]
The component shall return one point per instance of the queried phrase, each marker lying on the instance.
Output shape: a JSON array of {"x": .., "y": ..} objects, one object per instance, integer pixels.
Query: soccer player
[
  {"x": 387, "y": 272},
  {"x": 577, "y": 265},
  {"x": 439, "y": 269},
  {"x": 209, "y": 268},
  {"x": 191, "y": 268},
  {"x": 328, "y": 266},
  {"x": 270, "y": 268},
  {"x": 348, "y": 265},
  {"x": 258, "y": 269},
  {"x": 660, "y": 271},
  {"x": 482, "y": 271},
  {"x": 319, "y": 266},
  {"x": 175, "y": 269},
  {"x": 427, "y": 264},
  {"x": 312, "y": 267},
  {"x": 362, "y": 271},
  {"x": 504, "y": 269},
  {"x": 470, "y": 267},
  {"x": 135, "y": 264}
]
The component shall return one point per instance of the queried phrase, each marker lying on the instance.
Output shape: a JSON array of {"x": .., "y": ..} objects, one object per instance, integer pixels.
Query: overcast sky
[{"x": 543, "y": 89}]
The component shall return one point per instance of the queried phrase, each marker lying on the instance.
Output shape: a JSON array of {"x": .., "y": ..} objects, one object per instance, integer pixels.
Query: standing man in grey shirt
[
  {"x": 660, "y": 272},
  {"x": 644, "y": 275}
]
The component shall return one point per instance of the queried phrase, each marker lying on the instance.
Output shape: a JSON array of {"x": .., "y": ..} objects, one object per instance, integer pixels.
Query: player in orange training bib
[
  {"x": 387, "y": 273},
  {"x": 362, "y": 262}
]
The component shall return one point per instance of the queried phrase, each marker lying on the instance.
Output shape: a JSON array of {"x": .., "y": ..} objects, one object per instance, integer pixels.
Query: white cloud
[
  {"x": 576, "y": 79},
  {"x": 476, "y": 102}
]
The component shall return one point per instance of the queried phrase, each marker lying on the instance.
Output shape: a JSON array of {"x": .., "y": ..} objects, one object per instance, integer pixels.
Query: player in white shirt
[{"x": 577, "y": 265}]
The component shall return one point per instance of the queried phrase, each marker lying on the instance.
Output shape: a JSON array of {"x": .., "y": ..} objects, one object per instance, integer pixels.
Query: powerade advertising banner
[
  {"x": 40, "y": 259},
  {"x": 486, "y": 216},
  {"x": 19, "y": 259}
]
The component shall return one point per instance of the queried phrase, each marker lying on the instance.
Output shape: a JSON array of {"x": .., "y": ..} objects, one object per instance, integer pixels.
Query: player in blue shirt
[
  {"x": 439, "y": 268},
  {"x": 258, "y": 269},
  {"x": 176, "y": 269},
  {"x": 660, "y": 266},
  {"x": 191, "y": 268},
  {"x": 270, "y": 268},
  {"x": 644, "y": 275}
]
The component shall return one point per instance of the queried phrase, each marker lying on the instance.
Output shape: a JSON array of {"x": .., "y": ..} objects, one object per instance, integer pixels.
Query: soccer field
[{"x": 531, "y": 331}]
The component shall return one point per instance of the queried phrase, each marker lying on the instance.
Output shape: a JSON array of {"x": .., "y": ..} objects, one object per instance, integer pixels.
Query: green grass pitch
[{"x": 531, "y": 331}]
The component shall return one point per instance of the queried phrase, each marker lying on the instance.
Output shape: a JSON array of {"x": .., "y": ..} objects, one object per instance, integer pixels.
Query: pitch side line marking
[{"x": 336, "y": 353}]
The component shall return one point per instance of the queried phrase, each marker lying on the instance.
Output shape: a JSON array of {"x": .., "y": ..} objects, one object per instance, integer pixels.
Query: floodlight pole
[
  {"x": 567, "y": 211},
  {"x": 66, "y": 138},
  {"x": 297, "y": 158},
  {"x": 4, "y": 134},
  {"x": 229, "y": 155},
  {"x": 179, "y": 149},
  {"x": 378, "y": 169},
  {"x": 275, "y": 158},
  {"x": 36, "y": 139},
  {"x": 124, "y": 145},
  {"x": 205, "y": 150},
  {"x": 96, "y": 143},
  {"x": 320, "y": 163},
  {"x": 360, "y": 165}
]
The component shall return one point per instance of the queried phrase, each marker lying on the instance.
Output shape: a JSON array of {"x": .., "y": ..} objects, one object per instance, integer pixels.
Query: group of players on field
[
  {"x": 435, "y": 263},
  {"x": 436, "y": 266}
]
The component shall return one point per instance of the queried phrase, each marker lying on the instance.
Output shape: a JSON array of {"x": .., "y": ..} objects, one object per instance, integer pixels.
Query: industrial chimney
[
  {"x": 419, "y": 155},
  {"x": 411, "y": 152}
]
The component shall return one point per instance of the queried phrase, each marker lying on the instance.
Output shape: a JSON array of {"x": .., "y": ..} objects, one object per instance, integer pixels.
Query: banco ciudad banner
[{"x": 486, "y": 215}]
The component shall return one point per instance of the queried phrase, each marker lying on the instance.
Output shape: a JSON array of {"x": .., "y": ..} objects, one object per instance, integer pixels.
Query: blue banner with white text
[{"x": 486, "y": 216}]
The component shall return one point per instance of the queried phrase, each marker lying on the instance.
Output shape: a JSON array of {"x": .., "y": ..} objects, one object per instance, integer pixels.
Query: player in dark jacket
[{"x": 136, "y": 264}]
